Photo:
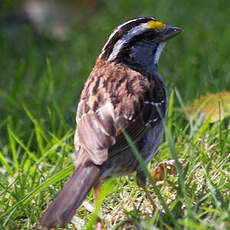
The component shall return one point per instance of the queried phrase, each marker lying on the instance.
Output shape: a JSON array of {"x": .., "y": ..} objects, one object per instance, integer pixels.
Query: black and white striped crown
[{"x": 125, "y": 33}]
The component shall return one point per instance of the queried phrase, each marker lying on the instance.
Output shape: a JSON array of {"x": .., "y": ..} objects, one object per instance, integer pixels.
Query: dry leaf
[
  {"x": 216, "y": 104},
  {"x": 159, "y": 172}
]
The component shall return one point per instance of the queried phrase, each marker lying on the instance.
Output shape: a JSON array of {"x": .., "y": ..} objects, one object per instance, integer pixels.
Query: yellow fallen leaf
[
  {"x": 159, "y": 171},
  {"x": 217, "y": 105}
]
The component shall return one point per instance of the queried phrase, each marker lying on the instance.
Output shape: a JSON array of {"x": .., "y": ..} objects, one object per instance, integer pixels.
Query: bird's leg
[
  {"x": 97, "y": 187},
  {"x": 141, "y": 181},
  {"x": 150, "y": 198}
]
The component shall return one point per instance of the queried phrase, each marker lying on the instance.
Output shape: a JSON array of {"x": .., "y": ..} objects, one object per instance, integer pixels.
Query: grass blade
[
  {"x": 5, "y": 164},
  {"x": 57, "y": 177}
]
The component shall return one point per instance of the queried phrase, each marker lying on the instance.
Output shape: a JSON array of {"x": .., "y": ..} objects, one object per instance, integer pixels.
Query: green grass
[{"x": 40, "y": 83}]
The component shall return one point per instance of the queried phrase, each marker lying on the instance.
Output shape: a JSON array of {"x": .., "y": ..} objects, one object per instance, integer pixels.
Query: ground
[{"x": 40, "y": 82}]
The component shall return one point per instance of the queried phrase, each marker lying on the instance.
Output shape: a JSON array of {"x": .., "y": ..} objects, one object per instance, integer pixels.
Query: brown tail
[{"x": 61, "y": 211}]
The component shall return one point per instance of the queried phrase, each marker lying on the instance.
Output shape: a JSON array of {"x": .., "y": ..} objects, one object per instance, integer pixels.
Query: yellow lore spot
[{"x": 155, "y": 25}]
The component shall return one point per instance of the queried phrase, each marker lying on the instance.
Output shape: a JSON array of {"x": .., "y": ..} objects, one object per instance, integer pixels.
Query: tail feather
[{"x": 61, "y": 211}]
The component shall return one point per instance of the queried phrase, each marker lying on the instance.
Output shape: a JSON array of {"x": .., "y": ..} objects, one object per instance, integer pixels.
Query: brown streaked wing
[
  {"x": 96, "y": 133},
  {"x": 120, "y": 104}
]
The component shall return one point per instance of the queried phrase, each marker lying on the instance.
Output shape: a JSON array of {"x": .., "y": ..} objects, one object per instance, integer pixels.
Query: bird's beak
[{"x": 170, "y": 32}]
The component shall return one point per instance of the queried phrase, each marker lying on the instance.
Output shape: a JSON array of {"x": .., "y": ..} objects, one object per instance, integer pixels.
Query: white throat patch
[{"x": 158, "y": 52}]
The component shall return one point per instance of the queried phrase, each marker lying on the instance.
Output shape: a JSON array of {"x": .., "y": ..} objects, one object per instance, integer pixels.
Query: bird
[{"x": 124, "y": 91}]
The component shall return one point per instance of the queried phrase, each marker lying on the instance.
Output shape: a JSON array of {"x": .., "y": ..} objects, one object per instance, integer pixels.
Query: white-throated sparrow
[{"x": 125, "y": 90}]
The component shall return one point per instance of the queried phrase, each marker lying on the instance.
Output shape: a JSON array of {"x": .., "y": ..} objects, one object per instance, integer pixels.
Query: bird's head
[{"x": 138, "y": 43}]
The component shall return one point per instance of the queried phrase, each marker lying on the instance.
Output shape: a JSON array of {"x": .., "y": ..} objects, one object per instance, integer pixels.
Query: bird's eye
[
  {"x": 149, "y": 36},
  {"x": 148, "y": 39}
]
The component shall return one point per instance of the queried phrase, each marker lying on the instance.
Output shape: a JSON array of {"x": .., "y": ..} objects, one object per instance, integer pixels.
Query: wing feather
[{"x": 110, "y": 100}]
